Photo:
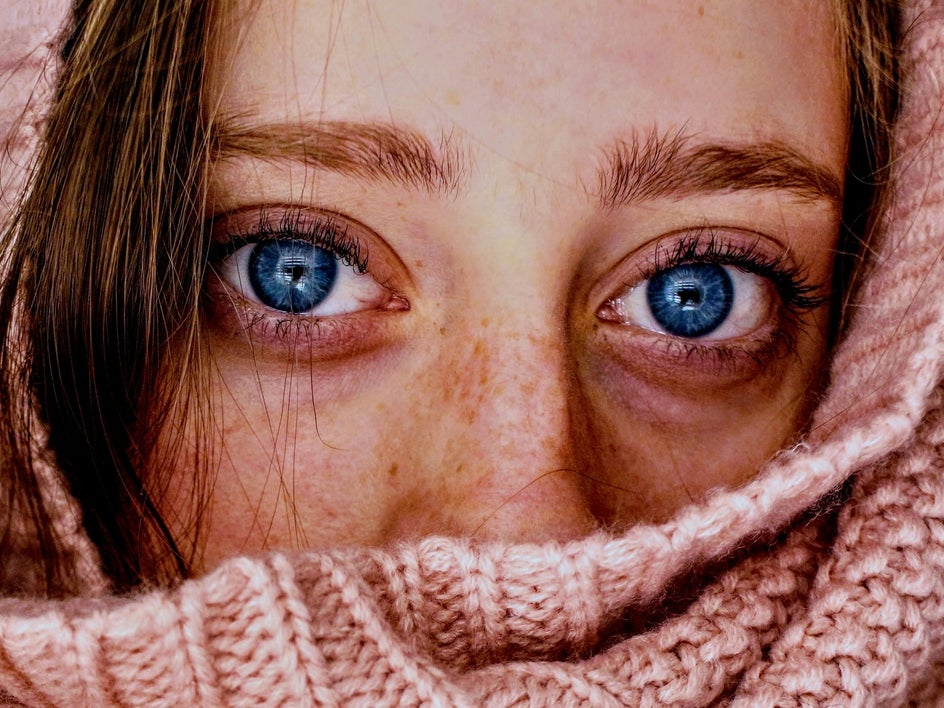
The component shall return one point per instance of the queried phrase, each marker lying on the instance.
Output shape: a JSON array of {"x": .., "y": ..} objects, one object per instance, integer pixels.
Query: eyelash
[
  {"x": 796, "y": 292},
  {"x": 323, "y": 231}
]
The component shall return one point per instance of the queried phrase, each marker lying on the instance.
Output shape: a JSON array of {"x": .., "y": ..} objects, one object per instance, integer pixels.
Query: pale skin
[{"x": 491, "y": 374}]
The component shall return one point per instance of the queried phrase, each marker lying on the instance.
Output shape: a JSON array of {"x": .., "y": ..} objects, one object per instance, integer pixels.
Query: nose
[{"x": 498, "y": 458}]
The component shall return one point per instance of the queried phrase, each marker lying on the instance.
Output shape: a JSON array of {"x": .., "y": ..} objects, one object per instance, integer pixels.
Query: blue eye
[
  {"x": 283, "y": 273},
  {"x": 692, "y": 299},
  {"x": 291, "y": 275},
  {"x": 696, "y": 300}
]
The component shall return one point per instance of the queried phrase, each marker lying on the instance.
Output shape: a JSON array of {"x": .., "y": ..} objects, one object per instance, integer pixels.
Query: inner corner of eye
[{"x": 611, "y": 310}]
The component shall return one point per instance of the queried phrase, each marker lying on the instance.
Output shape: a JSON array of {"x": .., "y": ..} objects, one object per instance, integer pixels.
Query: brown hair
[
  {"x": 105, "y": 266},
  {"x": 106, "y": 258},
  {"x": 870, "y": 36}
]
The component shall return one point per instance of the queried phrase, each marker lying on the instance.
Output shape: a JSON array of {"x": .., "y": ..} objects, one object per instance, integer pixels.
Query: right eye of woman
[
  {"x": 300, "y": 278},
  {"x": 714, "y": 292},
  {"x": 305, "y": 267},
  {"x": 707, "y": 301}
]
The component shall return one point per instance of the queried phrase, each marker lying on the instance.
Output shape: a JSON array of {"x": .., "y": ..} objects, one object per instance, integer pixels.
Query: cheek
[
  {"x": 463, "y": 431},
  {"x": 662, "y": 440},
  {"x": 289, "y": 459}
]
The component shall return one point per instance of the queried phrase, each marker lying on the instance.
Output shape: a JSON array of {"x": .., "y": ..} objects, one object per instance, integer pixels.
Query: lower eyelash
[
  {"x": 300, "y": 328},
  {"x": 290, "y": 334},
  {"x": 733, "y": 355},
  {"x": 690, "y": 363}
]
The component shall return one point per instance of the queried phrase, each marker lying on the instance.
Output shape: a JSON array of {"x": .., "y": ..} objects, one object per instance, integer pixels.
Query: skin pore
[{"x": 495, "y": 189}]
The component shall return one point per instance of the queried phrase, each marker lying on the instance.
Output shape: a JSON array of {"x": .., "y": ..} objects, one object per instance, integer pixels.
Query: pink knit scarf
[{"x": 842, "y": 608}]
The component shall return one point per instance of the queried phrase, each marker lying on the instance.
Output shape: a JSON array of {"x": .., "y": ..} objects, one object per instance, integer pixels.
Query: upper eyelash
[
  {"x": 323, "y": 231},
  {"x": 797, "y": 292}
]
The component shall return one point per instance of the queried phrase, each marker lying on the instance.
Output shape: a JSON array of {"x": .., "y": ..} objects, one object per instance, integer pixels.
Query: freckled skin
[{"x": 499, "y": 404}]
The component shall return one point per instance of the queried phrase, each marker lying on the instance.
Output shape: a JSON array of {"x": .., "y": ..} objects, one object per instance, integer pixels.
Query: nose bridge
[
  {"x": 508, "y": 446},
  {"x": 514, "y": 361},
  {"x": 500, "y": 459},
  {"x": 518, "y": 379}
]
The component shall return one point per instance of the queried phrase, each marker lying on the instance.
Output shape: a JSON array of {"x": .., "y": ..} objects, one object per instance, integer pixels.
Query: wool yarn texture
[{"x": 825, "y": 574}]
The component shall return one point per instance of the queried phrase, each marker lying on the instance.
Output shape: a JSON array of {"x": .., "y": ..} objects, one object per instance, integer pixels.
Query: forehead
[{"x": 536, "y": 82}]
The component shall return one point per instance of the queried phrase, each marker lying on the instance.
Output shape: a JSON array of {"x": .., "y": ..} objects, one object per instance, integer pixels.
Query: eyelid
[
  {"x": 365, "y": 249},
  {"x": 233, "y": 230},
  {"x": 749, "y": 251},
  {"x": 709, "y": 361}
]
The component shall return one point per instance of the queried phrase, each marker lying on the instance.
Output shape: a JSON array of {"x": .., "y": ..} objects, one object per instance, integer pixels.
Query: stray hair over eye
[{"x": 276, "y": 266}]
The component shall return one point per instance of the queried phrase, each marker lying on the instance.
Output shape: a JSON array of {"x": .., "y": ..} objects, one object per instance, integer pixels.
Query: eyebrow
[
  {"x": 656, "y": 165},
  {"x": 642, "y": 167},
  {"x": 373, "y": 151}
]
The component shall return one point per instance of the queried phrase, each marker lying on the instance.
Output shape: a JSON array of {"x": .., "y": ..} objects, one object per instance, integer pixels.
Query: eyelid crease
[{"x": 654, "y": 165}]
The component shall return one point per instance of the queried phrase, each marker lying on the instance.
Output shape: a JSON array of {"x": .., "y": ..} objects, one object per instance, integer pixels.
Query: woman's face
[{"x": 512, "y": 270}]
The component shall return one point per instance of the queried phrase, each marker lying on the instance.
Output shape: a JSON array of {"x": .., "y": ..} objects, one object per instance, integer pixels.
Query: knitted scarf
[{"x": 821, "y": 582}]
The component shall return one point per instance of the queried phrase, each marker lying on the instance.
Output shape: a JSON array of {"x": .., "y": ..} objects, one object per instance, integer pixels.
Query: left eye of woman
[
  {"x": 300, "y": 278},
  {"x": 706, "y": 301}
]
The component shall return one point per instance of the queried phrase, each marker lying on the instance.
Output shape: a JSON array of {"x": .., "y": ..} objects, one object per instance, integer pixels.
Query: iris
[
  {"x": 291, "y": 275},
  {"x": 692, "y": 299}
]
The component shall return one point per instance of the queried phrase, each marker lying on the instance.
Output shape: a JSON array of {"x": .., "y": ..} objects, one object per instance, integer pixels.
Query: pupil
[
  {"x": 689, "y": 297},
  {"x": 692, "y": 299},
  {"x": 291, "y": 275}
]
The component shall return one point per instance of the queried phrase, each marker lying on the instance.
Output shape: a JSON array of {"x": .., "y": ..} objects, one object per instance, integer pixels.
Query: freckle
[
  {"x": 452, "y": 98},
  {"x": 442, "y": 330},
  {"x": 418, "y": 264},
  {"x": 328, "y": 513},
  {"x": 739, "y": 55},
  {"x": 393, "y": 470},
  {"x": 701, "y": 10},
  {"x": 484, "y": 322}
]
